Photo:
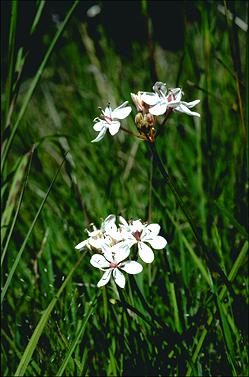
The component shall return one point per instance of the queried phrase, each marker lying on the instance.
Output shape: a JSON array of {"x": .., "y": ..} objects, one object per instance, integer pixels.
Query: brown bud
[
  {"x": 139, "y": 120},
  {"x": 150, "y": 120}
]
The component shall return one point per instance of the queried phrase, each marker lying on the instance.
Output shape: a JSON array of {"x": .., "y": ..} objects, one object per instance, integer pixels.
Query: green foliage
[{"x": 186, "y": 314}]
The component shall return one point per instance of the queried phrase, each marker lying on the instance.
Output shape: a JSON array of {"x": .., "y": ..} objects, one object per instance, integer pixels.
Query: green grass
[{"x": 186, "y": 314}]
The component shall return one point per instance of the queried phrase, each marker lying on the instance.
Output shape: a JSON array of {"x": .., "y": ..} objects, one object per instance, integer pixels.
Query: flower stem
[
  {"x": 211, "y": 262},
  {"x": 131, "y": 133}
]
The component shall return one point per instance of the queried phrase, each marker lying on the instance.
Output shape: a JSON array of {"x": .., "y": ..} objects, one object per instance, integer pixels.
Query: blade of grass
[
  {"x": 227, "y": 336},
  {"x": 31, "y": 346},
  {"x": 18, "y": 206},
  {"x": 34, "y": 367},
  {"x": 232, "y": 275},
  {"x": 211, "y": 261},
  {"x": 78, "y": 337},
  {"x": 18, "y": 257},
  {"x": 234, "y": 222},
  {"x": 37, "y": 16},
  {"x": 178, "y": 325},
  {"x": 197, "y": 260},
  {"x": 12, "y": 197},
  {"x": 11, "y": 52},
  {"x": 7, "y": 145}
]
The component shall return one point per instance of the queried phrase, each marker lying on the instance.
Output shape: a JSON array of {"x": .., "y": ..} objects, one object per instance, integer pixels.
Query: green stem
[{"x": 211, "y": 262}]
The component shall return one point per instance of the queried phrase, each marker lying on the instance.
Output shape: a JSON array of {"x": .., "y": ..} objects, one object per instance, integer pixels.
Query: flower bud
[
  {"x": 149, "y": 120},
  {"x": 139, "y": 120}
]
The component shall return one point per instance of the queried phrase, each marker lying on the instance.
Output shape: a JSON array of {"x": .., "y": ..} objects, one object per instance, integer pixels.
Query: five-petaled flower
[
  {"x": 141, "y": 234},
  {"x": 108, "y": 120},
  {"x": 112, "y": 261}
]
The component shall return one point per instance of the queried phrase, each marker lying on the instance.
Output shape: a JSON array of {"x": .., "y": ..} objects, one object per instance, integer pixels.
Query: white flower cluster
[
  {"x": 113, "y": 245},
  {"x": 156, "y": 103}
]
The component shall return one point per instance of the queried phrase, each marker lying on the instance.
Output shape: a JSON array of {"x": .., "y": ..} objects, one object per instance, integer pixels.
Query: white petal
[
  {"x": 145, "y": 252},
  {"x": 150, "y": 98},
  {"x": 99, "y": 261},
  {"x": 105, "y": 278},
  {"x": 159, "y": 109},
  {"x": 100, "y": 135},
  {"x": 128, "y": 238},
  {"x": 82, "y": 244},
  {"x": 123, "y": 221},
  {"x": 154, "y": 228},
  {"x": 131, "y": 267},
  {"x": 157, "y": 242},
  {"x": 121, "y": 113},
  {"x": 121, "y": 251},
  {"x": 108, "y": 112},
  {"x": 183, "y": 109},
  {"x": 114, "y": 127},
  {"x": 99, "y": 125},
  {"x": 97, "y": 243},
  {"x": 173, "y": 104},
  {"x": 119, "y": 278},
  {"x": 107, "y": 252},
  {"x": 109, "y": 223},
  {"x": 177, "y": 92},
  {"x": 191, "y": 104},
  {"x": 136, "y": 225}
]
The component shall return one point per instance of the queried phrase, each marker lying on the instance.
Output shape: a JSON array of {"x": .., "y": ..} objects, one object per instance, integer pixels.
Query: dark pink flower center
[
  {"x": 137, "y": 235},
  {"x": 113, "y": 264},
  {"x": 108, "y": 119},
  {"x": 171, "y": 97}
]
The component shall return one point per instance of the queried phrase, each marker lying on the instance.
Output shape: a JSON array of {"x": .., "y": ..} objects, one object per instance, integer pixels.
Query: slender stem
[
  {"x": 131, "y": 133},
  {"x": 175, "y": 191},
  {"x": 211, "y": 261}
]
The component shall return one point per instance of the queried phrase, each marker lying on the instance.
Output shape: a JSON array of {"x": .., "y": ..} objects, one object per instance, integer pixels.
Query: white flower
[
  {"x": 140, "y": 104},
  {"x": 156, "y": 99},
  {"x": 106, "y": 235},
  {"x": 112, "y": 262},
  {"x": 160, "y": 102},
  {"x": 108, "y": 120},
  {"x": 141, "y": 234},
  {"x": 175, "y": 103}
]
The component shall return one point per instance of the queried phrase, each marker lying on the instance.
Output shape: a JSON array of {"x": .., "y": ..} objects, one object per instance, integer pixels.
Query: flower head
[
  {"x": 109, "y": 120},
  {"x": 112, "y": 246},
  {"x": 108, "y": 234},
  {"x": 112, "y": 262},
  {"x": 160, "y": 102},
  {"x": 142, "y": 234}
]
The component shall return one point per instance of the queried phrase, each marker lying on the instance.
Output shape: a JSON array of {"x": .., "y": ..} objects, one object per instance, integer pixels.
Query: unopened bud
[
  {"x": 150, "y": 120},
  {"x": 139, "y": 120}
]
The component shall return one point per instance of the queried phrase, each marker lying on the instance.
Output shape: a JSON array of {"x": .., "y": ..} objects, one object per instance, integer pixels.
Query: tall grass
[{"x": 187, "y": 313}]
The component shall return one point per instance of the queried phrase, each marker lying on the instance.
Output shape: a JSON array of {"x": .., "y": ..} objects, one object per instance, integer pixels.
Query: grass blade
[
  {"x": 78, "y": 337},
  {"x": 237, "y": 264},
  {"x": 12, "y": 197},
  {"x": 12, "y": 37},
  {"x": 34, "y": 83},
  {"x": 234, "y": 222},
  {"x": 18, "y": 208},
  {"x": 37, "y": 16},
  {"x": 14, "y": 266},
  {"x": 26, "y": 357}
]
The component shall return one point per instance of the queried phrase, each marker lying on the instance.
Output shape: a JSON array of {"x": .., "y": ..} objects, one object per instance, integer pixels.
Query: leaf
[
  {"x": 232, "y": 219},
  {"x": 27, "y": 355},
  {"x": 14, "y": 190}
]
